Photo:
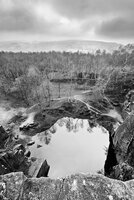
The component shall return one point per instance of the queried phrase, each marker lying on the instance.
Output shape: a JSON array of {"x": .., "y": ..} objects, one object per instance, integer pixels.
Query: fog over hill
[{"x": 67, "y": 45}]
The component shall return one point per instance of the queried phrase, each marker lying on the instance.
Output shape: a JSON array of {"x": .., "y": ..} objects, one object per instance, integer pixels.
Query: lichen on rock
[{"x": 95, "y": 187}]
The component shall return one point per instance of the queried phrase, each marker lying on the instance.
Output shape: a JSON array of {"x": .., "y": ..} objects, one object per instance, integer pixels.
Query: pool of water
[{"x": 70, "y": 146}]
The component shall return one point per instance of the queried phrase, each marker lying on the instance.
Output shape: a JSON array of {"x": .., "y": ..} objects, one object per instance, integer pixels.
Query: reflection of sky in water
[{"x": 71, "y": 151}]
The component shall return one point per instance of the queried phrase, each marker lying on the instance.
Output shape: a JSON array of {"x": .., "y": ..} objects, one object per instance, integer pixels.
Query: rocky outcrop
[
  {"x": 123, "y": 143},
  {"x": 16, "y": 186},
  {"x": 44, "y": 169},
  {"x": 123, "y": 171},
  {"x": 12, "y": 160},
  {"x": 42, "y": 119},
  {"x": 15, "y": 157}
]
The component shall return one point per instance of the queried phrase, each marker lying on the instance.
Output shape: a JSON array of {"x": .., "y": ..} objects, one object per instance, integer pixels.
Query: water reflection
[
  {"x": 72, "y": 148},
  {"x": 71, "y": 125}
]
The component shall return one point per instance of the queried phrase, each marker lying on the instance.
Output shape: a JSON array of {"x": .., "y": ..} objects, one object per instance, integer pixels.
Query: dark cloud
[
  {"x": 20, "y": 16},
  {"x": 69, "y": 18},
  {"x": 86, "y": 8},
  {"x": 17, "y": 19},
  {"x": 108, "y": 18},
  {"x": 120, "y": 27},
  {"x": 24, "y": 17}
]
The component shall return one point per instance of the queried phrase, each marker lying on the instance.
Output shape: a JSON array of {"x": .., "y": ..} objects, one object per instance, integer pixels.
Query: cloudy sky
[{"x": 33, "y": 20}]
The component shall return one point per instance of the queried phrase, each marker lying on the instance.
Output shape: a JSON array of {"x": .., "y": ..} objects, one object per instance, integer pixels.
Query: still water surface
[{"x": 72, "y": 147}]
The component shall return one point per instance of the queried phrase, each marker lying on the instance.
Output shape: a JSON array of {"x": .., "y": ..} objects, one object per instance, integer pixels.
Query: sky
[{"x": 50, "y": 20}]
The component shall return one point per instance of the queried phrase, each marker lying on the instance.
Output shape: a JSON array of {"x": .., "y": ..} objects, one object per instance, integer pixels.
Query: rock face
[
  {"x": 44, "y": 169},
  {"x": 123, "y": 142},
  {"x": 14, "y": 159},
  {"x": 3, "y": 137},
  {"x": 16, "y": 186}
]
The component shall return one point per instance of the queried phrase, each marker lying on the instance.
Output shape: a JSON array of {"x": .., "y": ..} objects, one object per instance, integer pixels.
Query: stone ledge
[{"x": 15, "y": 186}]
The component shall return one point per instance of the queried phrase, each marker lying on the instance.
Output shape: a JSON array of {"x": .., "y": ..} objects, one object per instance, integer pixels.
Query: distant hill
[{"x": 68, "y": 45}]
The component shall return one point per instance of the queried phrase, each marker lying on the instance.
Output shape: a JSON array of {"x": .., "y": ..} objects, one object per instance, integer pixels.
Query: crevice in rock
[{"x": 111, "y": 160}]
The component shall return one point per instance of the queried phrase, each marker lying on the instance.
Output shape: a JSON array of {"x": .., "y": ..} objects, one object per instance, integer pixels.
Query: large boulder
[
  {"x": 44, "y": 169},
  {"x": 123, "y": 171},
  {"x": 16, "y": 186}
]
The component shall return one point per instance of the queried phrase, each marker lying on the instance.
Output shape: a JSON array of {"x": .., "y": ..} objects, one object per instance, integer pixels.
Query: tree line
[{"x": 28, "y": 76}]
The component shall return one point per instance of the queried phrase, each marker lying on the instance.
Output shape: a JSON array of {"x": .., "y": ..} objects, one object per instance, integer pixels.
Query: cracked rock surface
[{"x": 15, "y": 186}]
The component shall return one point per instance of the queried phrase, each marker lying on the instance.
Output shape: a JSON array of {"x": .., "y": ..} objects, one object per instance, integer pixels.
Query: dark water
[{"x": 72, "y": 147}]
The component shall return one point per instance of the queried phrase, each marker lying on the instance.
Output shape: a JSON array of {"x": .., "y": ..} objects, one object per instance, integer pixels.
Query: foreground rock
[{"x": 16, "y": 186}]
